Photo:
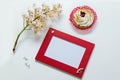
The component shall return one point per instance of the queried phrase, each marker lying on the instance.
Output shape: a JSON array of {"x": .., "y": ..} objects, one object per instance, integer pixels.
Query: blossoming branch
[{"x": 37, "y": 19}]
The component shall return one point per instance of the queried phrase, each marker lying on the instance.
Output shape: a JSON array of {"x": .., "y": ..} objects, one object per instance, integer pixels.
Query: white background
[{"x": 104, "y": 63}]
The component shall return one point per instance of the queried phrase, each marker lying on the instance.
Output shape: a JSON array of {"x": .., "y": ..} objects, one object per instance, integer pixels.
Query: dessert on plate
[{"x": 83, "y": 17}]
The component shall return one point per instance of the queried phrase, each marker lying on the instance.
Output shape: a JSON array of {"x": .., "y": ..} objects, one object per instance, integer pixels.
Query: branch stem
[{"x": 16, "y": 41}]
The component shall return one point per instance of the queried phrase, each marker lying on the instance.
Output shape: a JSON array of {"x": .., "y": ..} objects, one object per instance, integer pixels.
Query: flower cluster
[{"x": 37, "y": 19}]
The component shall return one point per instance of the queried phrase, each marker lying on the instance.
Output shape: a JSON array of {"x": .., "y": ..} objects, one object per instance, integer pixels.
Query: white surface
[
  {"x": 104, "y": 63},
  {"x": 65, "y": 52}
]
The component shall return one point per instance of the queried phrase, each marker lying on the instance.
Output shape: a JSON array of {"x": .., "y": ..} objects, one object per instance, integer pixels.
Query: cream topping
[{"x": 86, "y": 20}]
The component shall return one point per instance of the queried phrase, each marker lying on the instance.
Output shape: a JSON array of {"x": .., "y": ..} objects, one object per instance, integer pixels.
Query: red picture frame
[{"x": 79, "y": 71}]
